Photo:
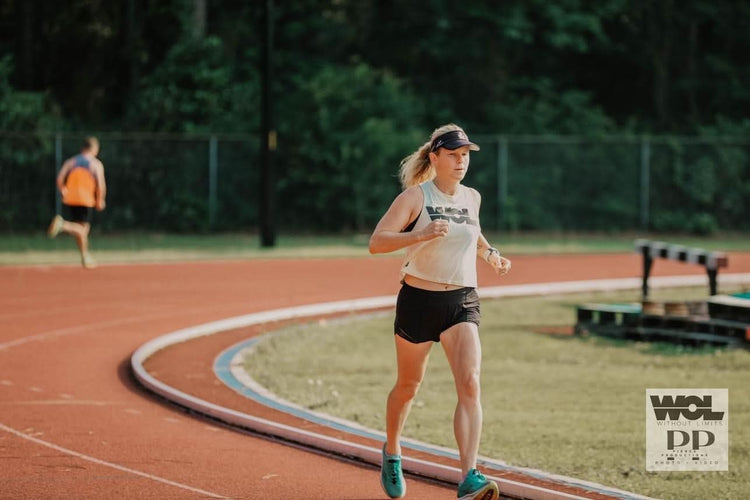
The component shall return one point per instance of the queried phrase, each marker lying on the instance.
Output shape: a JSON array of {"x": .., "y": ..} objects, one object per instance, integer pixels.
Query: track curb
[{"x": 367, "y": 453}]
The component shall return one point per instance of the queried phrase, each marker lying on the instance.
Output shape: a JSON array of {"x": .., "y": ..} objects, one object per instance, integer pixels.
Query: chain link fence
[
  {"x": 614, "y": 183},
  {"x": 205, "y": 183}
]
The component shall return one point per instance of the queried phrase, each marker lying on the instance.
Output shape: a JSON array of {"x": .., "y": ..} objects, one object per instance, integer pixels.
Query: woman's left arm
[
  {"x": 491, "y": 256},
  {"x": 487, "y": 252}
]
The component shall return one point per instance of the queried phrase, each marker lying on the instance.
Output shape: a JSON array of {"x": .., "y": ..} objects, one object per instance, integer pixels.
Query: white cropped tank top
[{"x": 450, "y": 259}]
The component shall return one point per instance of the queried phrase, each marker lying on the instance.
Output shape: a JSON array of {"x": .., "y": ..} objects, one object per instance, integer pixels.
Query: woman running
[{"x": 436, "y": 218}]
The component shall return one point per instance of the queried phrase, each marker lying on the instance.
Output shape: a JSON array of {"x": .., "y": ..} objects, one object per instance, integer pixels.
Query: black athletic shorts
[
  {"x": 422, "y": 315},
  {"x": 75, "y": 213}
]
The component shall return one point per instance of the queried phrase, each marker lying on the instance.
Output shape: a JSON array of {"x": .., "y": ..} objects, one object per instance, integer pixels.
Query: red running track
[{"x": 73, "y": 424}]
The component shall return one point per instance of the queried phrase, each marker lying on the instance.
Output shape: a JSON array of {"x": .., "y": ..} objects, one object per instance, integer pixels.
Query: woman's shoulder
[
  {"x": 471, "y": 191},
  {"x": 474, "y": 194},
  {"x": 411, "y": 196},
  {"x": 412, "y": 192}
]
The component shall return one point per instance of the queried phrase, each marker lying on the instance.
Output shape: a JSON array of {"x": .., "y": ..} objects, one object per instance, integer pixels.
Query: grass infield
[
  {"x": 32, "y": 249},
  {"x": 567, "y": 405}
]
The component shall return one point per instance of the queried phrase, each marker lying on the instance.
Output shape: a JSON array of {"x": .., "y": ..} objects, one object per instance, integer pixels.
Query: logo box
[{"x": 687, "y": 429}]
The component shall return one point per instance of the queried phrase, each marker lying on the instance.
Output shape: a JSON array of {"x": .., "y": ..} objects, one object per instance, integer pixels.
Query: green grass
[
  {"x": 567, "y": 405},
  {"x": 555, "y": 243},
  {"x": 156, "y": 247}
]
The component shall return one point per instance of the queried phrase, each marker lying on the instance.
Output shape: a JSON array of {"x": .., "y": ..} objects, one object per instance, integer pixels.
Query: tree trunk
[
  {"x": 27, "y": 51},
  {"x": 199, "y": 18}
]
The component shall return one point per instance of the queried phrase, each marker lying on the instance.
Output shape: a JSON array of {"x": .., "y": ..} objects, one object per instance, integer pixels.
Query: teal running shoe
[
  {"x": 391, "y": 476},
  {"x": 477, "y": 487}
]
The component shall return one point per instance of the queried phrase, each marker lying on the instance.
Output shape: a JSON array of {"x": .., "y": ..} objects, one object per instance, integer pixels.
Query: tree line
[
  {"x": 358, "y": 84},
  {"x": 523, "y": 66}
]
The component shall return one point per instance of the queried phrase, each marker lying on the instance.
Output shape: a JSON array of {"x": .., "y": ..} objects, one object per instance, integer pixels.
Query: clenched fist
[
  {"x": 435, "y": 229},
  {"x": 500, "y": 264}
]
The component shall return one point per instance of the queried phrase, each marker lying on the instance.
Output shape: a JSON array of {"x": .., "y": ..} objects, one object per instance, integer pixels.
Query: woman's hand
[
  {"x": 500, "y": 264},
  {"x": 435, "y": 229}
]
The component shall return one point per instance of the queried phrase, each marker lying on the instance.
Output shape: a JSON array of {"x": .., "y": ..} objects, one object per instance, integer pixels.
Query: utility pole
[{"x": 267, "y": 133}]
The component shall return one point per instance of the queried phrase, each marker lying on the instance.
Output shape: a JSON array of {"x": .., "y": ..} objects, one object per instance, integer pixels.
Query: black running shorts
[
  {"x": 75, "y": 213},
  {"x": 422, "y": 315}
]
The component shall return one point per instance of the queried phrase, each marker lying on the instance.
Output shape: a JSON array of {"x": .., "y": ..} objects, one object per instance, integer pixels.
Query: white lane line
[
  {"x": 109, "y": 464},
  {"x": 73, "y": 330},
  {"x": 52, "y": 402},
  {"x": 85, "y": 328}
]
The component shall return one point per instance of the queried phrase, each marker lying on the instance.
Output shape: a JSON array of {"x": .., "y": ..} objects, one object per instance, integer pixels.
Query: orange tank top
[{"x": 80, "y": 184}]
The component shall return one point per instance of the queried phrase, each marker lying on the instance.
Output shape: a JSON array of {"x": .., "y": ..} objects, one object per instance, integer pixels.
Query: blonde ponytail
[{"x": 416, "y": 168}]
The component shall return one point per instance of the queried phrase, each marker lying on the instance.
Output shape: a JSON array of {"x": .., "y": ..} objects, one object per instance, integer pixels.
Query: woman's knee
[
  {"x": 468, "y": 387},
  {"x": 407, "y": 389}
]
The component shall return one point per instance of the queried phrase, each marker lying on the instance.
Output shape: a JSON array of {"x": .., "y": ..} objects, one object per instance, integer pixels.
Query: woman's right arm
[{"x": 388, "y": 235}]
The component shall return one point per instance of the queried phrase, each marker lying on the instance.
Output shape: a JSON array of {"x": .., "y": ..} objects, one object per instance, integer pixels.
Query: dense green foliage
[{"x": 358, "y": 84}]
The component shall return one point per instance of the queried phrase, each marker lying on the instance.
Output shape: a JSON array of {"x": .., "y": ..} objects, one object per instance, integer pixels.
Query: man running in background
[{"x": 81, "y": 183}]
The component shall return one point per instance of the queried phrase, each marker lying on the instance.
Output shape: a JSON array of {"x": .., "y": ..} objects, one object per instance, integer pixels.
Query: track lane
[
  {"x": 66, "y": 335},
  {"x": 65, "y": 384}
]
